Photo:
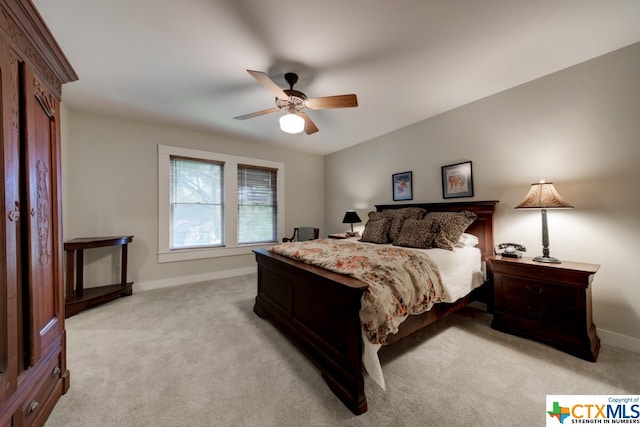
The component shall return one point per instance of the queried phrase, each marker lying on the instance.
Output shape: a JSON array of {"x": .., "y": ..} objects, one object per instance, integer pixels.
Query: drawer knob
[
  {"x": 32, "y": 407},
  {"x": 532, "y": 292},
  {"x": 535, "y": 312},
  {"x": 56, "y": 372}
]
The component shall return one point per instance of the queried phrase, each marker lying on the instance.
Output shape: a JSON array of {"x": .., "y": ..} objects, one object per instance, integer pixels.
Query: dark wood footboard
[{"x": 318, "y": 311}]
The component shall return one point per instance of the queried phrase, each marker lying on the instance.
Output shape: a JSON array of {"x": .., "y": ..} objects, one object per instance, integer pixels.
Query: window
[
  {"x": 196, "y": 197},
  {"x": 257, "y": 204},
  {"x": 212, "y": 204}
]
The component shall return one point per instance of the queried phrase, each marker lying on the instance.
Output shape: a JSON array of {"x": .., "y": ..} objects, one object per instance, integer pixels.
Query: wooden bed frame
[{"x": 318, "y": 310}]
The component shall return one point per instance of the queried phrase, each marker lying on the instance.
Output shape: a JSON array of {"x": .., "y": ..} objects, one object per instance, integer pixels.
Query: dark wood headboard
[{"x": 481, "y": 227}]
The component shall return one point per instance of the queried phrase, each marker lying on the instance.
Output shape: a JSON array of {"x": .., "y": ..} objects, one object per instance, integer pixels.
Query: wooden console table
[{"x": 77, "y": 298}]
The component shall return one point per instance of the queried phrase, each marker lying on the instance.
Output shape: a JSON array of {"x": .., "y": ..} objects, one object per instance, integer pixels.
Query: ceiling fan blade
[
  {"x": 266, "y": 81},
  {"x": 338, "y": 101},
  {"x": 309, "y": 126},
  {"x": 257, "y": 113}
]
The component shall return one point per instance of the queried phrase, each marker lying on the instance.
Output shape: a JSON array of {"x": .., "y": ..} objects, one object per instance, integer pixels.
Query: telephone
[{"x": 510, "y": 250}]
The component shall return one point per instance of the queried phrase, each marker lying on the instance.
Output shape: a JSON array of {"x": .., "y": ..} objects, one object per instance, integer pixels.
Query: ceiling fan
[{"x": 294, "y": 103}]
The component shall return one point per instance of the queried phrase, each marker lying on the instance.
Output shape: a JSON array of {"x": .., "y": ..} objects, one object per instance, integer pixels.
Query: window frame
[{"x": 231, "y": 246}]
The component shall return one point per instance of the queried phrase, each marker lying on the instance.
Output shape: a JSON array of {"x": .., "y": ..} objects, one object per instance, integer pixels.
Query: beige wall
[
  {"x": 579, "y": 128},
  {"x": 110, "y": 187}
]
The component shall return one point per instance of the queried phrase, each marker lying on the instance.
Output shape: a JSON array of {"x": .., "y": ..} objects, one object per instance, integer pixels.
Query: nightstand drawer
[
  {"x": 548, "y": 333},
  {"x": 539, "y": 301}
]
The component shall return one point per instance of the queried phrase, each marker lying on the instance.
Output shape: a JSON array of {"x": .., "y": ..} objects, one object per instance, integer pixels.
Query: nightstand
[{"x": 550, "y": 303}]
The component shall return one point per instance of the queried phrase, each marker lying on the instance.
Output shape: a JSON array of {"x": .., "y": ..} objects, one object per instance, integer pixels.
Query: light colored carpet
[{"x": 197, "y": 355}]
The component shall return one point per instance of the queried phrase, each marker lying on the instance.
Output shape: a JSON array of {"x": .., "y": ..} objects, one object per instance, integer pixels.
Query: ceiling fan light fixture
[{"x": 291, "y": 123}]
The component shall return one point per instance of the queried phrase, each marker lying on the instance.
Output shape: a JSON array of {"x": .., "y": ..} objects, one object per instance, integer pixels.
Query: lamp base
[{"x": 547, "y": 259}]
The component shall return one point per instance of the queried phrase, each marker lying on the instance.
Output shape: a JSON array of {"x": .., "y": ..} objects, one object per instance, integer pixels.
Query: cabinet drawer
[
  {"x": 38, "y": 401},
  {"x": 539, "y": 301},
  {"x": 558, "y": 336}
]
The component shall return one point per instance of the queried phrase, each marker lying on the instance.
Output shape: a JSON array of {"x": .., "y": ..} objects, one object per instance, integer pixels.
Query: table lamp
[
  {"x": 349, "y": 218},
  {"x": 543, "y": 195}
]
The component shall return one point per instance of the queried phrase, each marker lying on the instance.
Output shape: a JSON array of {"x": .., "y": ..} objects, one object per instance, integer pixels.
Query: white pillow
[{"x": 467, "y": 240}]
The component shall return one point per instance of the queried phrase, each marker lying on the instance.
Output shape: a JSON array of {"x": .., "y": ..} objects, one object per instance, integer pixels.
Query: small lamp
[
  {"x": 291, "y": 123},
  {"x": 543, "y": 195},
  {"x": 349, "y": 218}
]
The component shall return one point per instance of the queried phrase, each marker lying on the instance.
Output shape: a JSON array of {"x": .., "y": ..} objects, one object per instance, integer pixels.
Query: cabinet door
[
  {"x": 41, "y": 225},
  {"x": 9, "y": 227}
]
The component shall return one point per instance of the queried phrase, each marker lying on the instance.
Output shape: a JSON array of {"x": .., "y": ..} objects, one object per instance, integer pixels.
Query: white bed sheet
[{"x": 461, "y": 271}]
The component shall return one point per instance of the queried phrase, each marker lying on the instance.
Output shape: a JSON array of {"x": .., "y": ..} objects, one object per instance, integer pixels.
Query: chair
[{"x": 302, "y": 234}]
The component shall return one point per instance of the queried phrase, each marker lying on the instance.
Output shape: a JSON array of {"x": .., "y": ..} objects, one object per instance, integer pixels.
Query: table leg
[
  {"x": 79, "y": 272},
  {"x": 70, "y": 294},
  {"x": 123, "y": 278}
]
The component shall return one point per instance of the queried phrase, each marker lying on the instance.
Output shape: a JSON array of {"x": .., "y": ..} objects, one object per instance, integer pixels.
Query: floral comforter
[{"x": 401, "y": 282}]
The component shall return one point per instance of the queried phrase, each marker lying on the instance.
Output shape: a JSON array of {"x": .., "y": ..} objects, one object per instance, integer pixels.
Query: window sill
[{"x": 193, "y": 254}]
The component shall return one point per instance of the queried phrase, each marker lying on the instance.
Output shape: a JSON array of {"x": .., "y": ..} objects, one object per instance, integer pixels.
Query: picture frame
[
  {"x": 402, "y": 186},
  {"x": 457, "y": 180}
]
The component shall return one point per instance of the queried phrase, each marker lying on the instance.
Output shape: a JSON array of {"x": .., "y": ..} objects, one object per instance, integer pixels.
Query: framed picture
[
  {"x": 457, "y": 180},
  {"x": 402, "y": 186}
]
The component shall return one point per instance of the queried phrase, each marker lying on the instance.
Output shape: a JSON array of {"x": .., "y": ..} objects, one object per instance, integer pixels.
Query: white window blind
[{"x": 257, "y": 204}]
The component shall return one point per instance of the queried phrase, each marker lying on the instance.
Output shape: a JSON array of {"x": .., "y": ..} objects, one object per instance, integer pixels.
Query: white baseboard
[
  {"x": 615, "y": 339},
  {"x": 183, "y": 280}
]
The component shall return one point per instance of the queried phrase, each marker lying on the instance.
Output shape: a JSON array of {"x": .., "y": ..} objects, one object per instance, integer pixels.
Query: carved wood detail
[
  {"x": 13, "y": 72},
  {"x": 43, "y": 212},
  {"x": 18, "y": 37},
  {"x": 46, "y": 100}
]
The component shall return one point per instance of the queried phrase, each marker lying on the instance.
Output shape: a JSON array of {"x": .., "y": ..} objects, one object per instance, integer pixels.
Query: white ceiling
[{"x": 183, "y": 61}]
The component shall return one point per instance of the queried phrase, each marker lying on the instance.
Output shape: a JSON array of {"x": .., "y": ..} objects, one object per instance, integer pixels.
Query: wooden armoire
[{"x": 33, "y": 371}]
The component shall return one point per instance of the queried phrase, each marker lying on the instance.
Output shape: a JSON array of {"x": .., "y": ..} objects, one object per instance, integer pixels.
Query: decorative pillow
[
  {"x": 416, "y": 233},
  {"x": 441, "y": 241},
  {"x": 373, "y": 215},
  {"x": 449, "y": 226},
  {"x": 398, "y": 216},
  {"x": 376, "y": 231},
  {"x": 467, "y": 240}
]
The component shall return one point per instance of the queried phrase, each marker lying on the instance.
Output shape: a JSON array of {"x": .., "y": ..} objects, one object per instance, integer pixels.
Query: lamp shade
[
  {"x": 291, "y": 123},
  {"x": 350, "y": 217},
  {"x": 543, "y": 195}
]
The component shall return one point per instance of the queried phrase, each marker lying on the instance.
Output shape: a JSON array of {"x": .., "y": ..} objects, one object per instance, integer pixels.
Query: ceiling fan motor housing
[{"x": 296, "y": 100}]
